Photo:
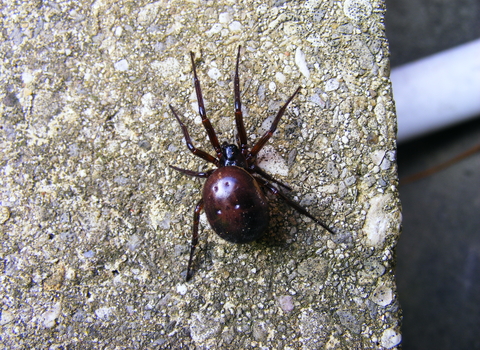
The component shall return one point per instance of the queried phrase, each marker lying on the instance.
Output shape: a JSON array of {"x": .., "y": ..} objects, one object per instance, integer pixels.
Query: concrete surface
[{"x": 95, "y": 226}]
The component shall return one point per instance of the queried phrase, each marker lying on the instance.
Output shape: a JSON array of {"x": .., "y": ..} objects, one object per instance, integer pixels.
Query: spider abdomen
[{"x": 236, "y": 206}]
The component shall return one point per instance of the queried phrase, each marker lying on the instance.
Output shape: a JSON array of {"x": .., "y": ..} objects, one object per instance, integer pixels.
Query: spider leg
[
  {"x": 192, "y": 173},
  {"x": 201, "y": 110},
  {"x": 198, "y": 152},
  {"x": 238, "y": 111},
  {"x": 264, "y": 139},
  {"x": 196, "y": 220},
  {"x": 269, "y": 177},
  {"x": 295, "y": 205}
]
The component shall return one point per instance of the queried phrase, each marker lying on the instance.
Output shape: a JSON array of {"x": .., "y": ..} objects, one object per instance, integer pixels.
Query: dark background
[{"x": 438, "y": 255}]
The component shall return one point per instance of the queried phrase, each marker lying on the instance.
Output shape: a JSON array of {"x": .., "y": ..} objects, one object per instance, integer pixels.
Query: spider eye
[{"x": 231, "y": 152}]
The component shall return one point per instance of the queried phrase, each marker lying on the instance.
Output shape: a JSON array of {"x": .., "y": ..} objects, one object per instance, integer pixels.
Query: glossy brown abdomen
[{"x": 236, "y": 206}]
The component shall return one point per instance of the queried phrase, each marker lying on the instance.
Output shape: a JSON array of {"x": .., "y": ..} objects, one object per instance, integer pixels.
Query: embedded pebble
[
  {"x": 121, "y": 65},
  {"x": 148, "y": 13},
  {"x": 235, "y": 26},
  {"x": 286, "y": 303},
  {"x": 216, "y": 28},
  {"x": 318, "y": 15},
  {"x": 382, "y": 295},
  {"x": 148, "y": 104},
  {"x": 348, "y": 320},
  {"x": 6, "y": 317},
  {"x": 144, "y": 144},
  {"x": 301, "y": 63},
  {"x": 272, "y": 162},
  {"x": 377, "y": 156},
  {"x": 280, "y": 77},
  {"x": 27, "y": 77},
  {"x": 315, "y": 98},
  {"x": 357, "y": 10},
  {"x": 118, "y": 31},
  {"x": 168, "y": 68},
  {"x": 182, "y": 289},
  {"x": 312, "y": 5},
  {"x": 261, "y": 93},
  {"x": 104, "y": 313},
  {"x": 266, "y": 124},
  {"x": 390, "y": 338},
  {"x": 377, "y": 220},
  {"x": 214, "y": 73},
  {"x": 134, "y": 242},
  {"x": 224, "y": 17},
  {"x": 89, "y": 254},
  {"x": 349, "y": 181},
  {"x": 385, "y": 164},
  {"x": 312, "y": 328},
  {"x": 290, "y": 28},
  {"x": 49, "y": 316},
  {"x": 332, "y": 84},
  {"x": 204, "y": 327},
  {"x": 272, "y": 86},
  {"x": 260, "y": 331}
]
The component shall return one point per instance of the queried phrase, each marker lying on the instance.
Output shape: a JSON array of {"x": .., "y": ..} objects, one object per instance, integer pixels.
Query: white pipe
[{"x": 437, "y": 91}]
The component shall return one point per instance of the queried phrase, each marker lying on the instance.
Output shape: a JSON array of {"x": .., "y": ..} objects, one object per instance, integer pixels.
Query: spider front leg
[
  {"x": 198, "y": 152},
  {"x": 242, "y": 135},
  {"x": 193, "y": 245},
  {"x": 201, "y": 110},
  {"x": 268, "y": 134}
]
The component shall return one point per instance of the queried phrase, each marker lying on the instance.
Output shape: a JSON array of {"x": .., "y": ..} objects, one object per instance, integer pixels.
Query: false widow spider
[{"x": 233, "y": 194}]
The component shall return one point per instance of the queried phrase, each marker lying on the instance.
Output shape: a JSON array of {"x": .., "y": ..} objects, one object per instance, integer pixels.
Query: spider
[{"x": 234, "y": 194}]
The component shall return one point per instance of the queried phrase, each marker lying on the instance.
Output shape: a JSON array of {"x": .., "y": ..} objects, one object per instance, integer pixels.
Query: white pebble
[
  {"x": 224, "y": 17},
  {"x": 214, "y": 73},
  {"x": 286, "y": 303},
  {"x": 27, "y": 77},
  {"x": 7, "y": 317},
  {"x": 235, "y": 26},
  {"x": 377, "y": 221},
  {"x": 315, "y": 98},
  {"x": 382, "y": 295},
  {"x": 390, "y": 338},
  {"x": 104, "y": 313},
  {"x": 118, "y": 31},
  {"x": 49, "y": 316},
  {"x": 272, "y": 162},
  {"x": 182, "y": 289},
  {"x": 272, "y": 86},
  {"x": 280, "y": 77},
  {"x": 216, "y": 28},
  {"x": 377, "y": 156},
  {"x": 301, "y": 63},
  {"x": 121, "y": 65},
  {"x": 385, "y": 164},
  {"x": 332, "y": 84}
]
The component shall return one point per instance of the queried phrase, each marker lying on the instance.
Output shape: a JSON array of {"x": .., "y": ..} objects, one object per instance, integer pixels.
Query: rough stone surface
[{"x": 95, "y": 226}]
